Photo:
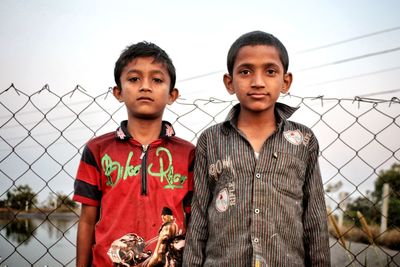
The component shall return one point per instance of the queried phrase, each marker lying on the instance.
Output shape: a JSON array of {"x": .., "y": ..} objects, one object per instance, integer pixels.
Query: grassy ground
[{"x": 371, "y": 235}]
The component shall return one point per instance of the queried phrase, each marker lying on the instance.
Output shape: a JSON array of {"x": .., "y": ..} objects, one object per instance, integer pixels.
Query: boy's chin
[
  {"x": 258, "y": 108},
  {"x": 147, "y": 116}
]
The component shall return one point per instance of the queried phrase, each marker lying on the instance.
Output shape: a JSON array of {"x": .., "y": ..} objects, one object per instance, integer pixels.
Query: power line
[
  {"x": 348, "y": 40},
  {"x": 353, "y": 77},
  {"x": 201, "y": 76},
  {"x": 307, "y": 50},
  {"x": 313, "y": 67},
  {"x": 381, "y": 93},
  {"x": 351, "y": 59}
]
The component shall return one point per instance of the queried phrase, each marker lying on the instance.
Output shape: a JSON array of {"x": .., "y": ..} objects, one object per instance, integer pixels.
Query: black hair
[
  {"x": 166, "y": 211},
  {"x": 257, "y": 38},
  {"x": 144, "y": 49}
]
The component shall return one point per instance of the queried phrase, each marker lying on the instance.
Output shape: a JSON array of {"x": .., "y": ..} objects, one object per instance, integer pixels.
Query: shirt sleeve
[
  {"x": 197, "y": 234},
  {"x": 87, "y": 183},
  {"x": 316, "y": 238},
  {"x": 187, "y": 201}
]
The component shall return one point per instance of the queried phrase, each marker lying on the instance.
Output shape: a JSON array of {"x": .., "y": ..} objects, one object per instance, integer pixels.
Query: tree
[
  {"x": 370, "y": 205},
  {"x": 391, "y": 177},
  {"x": 3, "y": 203},
  {"x": 367, "y": 206},
  {"x": 62, "y": 201},
  {"x": 21, "y": 198}
]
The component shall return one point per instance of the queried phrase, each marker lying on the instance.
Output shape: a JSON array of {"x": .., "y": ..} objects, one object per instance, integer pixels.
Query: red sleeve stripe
[{"x": 86, "y": 201}]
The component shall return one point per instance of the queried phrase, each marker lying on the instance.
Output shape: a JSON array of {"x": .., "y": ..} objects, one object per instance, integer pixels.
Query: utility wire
[
  {"x": 351, "y": 59},
  {"x": 201, "y": 76},
  {"x": 348, "y": 40},
  {"x": 381, "y": 93},
  {"x": 353, "y": 77},
  {"x": 313, "y": 49}
]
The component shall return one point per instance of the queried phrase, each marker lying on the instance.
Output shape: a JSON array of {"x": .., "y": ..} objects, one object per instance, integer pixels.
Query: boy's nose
[
  {"x": 145, "y": 86},
  {"x": 258, "y": 81}
]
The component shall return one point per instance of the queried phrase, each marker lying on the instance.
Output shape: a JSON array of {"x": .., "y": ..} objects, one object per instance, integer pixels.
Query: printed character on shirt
[{"x": 130, "y": 249}]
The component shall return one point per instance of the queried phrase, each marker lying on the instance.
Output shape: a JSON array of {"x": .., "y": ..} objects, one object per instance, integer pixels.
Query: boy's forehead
[
  {"x": 249, "y": 53},
  {"x": 148, "y": 62}
]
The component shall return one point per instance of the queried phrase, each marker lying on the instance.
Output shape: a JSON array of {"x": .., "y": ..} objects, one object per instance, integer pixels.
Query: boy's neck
[
  {"x": 257, "y": 127},
  {"x": 144, "y": 131},
  {"x": 257, "y": 120}
]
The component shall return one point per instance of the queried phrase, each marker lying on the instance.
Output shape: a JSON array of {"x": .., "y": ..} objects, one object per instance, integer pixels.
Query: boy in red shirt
[{"x": 127, "y": 178}]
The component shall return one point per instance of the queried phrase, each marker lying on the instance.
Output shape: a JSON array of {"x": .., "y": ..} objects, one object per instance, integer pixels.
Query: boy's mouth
[
  {"x": 144, "y": 98},
  {"x": 258, "y": 95}
]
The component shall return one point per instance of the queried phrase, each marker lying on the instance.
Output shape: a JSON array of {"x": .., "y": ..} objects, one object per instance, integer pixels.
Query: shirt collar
[
  {"x": 122, "y": 131},
  {"x": 282, "y": 113}
]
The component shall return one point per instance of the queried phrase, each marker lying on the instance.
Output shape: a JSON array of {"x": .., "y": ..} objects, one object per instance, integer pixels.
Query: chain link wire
[{"x": 43, "y": 134}]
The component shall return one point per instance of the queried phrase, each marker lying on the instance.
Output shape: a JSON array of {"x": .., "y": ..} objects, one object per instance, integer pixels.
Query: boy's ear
[
  {"x": 117, "y": 93},
  {"x": 228, "y": 83},
  {"x": 173, "y": 95},
  {"x": 287, "y": 81}
]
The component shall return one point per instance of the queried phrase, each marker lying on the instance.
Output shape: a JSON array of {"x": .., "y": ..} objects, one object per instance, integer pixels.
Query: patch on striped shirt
[
  {"x": 294, "y": 137},
  {"x": 222, "y": 200}
]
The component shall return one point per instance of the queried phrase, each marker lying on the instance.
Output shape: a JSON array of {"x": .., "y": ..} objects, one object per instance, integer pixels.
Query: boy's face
[
  {"x": 258, "y": 78},
  {"x": 145, "y": 88}
]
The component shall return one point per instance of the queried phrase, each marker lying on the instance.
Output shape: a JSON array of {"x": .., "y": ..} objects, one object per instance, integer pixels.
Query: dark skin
[
  {"x": 257, "y": 80},
  {"x": 85, "y": 240}
]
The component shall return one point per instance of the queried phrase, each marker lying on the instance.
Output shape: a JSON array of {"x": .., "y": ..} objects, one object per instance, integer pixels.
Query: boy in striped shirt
[{"x": 258, "y": 194}]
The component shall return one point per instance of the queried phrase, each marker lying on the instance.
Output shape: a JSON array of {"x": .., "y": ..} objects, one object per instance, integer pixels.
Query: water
[
  {"x": 38, "y": 242},
  {"x": 48, "y": 243}
]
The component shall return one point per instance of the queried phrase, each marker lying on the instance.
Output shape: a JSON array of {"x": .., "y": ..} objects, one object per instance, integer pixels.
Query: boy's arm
[
  {"x": 316, "y": 238},
  {"x": 187, "y": 200},
  {"x": 85, "y": 236},
  {"x": 197, "y": 234}
]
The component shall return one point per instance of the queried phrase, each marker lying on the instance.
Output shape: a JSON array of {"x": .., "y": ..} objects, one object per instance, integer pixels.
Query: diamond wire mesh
[{"x": 43, "y": 134}]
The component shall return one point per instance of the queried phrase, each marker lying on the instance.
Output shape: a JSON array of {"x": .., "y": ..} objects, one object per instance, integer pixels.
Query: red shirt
[{"x": 132, "y": 184}]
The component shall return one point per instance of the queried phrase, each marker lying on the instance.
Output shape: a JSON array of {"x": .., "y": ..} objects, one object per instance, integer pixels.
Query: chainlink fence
[{"x": 43, "y": 134}]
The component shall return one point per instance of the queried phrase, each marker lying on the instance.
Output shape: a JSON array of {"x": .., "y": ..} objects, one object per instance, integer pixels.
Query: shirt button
[
  {"x": 257, "y": 211},
  {"x": 255, "y": 240},
  {"x": 258, "y": 175}
]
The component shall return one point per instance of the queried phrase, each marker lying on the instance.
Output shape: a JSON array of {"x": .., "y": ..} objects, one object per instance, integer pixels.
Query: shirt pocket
[{"x": 287, "y": 175}]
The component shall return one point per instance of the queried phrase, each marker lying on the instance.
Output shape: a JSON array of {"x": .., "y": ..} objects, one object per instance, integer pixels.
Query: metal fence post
[{"x": 385, "y": 205}]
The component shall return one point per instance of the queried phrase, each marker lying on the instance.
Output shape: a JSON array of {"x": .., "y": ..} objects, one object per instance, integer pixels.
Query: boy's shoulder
[
  {"x": 216, "y": 128},
  {"x": 112, "y": 136},
  {"x": 293, "y": 125},
  {"x": 215, "y": 132},
  {"x": 178, "y": 141},
  {"x": 102, "y": 139}
]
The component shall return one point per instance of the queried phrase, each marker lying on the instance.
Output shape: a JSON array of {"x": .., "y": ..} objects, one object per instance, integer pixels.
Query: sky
[
  {"x": 338, "y": 49},
  {"x": 66, "y": 43}
]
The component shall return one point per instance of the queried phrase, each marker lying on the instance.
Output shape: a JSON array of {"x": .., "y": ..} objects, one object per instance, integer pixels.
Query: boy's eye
[
  {"x": 245, "y": 72},
  {"x": 158, "y": 80},
  {"x": 133, "y": 79},
  {"x": 271, "y": 71}
]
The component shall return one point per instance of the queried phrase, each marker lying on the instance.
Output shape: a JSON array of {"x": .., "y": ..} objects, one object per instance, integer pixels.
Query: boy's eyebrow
[
  {"x": 249, "y": 65},
  {"x": 245, "y": 65},
  {"x": 156, "y": 71}
]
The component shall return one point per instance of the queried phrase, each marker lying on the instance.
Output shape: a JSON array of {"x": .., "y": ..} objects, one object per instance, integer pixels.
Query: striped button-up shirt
[{"x": 268, "y": 211}]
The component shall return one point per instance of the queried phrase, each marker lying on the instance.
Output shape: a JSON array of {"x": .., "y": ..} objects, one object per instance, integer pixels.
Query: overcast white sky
[
  {"x": 65, "y": 43},
  {"x": 337, "y": 49}
]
